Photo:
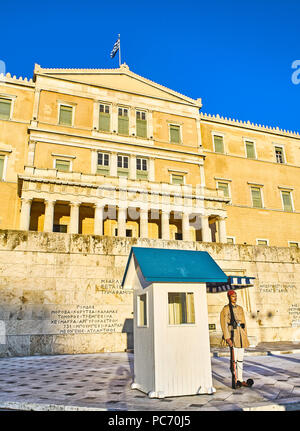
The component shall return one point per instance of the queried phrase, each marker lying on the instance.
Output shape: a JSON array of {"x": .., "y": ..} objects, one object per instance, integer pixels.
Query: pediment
[{"x": 119, "y": 79}]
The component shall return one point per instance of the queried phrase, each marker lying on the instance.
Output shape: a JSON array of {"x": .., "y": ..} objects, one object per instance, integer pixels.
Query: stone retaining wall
[{"x": 61, "y": 293}]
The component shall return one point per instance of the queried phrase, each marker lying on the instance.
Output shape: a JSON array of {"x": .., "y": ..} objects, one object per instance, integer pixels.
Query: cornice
[{"x": 248, "y": 125}]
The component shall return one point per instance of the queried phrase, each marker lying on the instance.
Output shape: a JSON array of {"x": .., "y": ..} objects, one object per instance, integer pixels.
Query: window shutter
[
  {"x": 219, "y": 144},
  {"x": 175, "y": 134},
  {"x": 250, "y": 150},
  {"x": 123, "y": 125},
  {"x": 141, "y": 128},
  {"x": 62, "y": 165},
  {"x": 65, "y": 115},
  {"x": 177, "y": 179},
  {"x": 104, "y": 122},
  {"x": 5, "y": 106},
  {"x": 1, "y": 167},
  {"x": 287, "y": 202},
  {"x": 224, "y": 187},
  {"x": 256, "y": 197}
]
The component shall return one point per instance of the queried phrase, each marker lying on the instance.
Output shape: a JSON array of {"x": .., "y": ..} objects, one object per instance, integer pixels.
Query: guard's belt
[{"x": 242, "y": 325}]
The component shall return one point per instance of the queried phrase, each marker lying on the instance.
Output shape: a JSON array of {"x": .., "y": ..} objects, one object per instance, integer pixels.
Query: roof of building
[{"x": 177, "y": 266}]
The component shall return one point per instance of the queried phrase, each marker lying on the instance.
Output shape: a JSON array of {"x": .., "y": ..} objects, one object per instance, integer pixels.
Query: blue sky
[{"x": 235, "y": 55}]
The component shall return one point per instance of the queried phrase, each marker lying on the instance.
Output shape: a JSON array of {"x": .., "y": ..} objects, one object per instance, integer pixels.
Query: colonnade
[{"x": 122, "y": 211}]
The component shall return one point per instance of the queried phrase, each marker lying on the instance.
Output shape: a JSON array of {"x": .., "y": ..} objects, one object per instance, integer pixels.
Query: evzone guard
[{"x": 234, "y": 330}]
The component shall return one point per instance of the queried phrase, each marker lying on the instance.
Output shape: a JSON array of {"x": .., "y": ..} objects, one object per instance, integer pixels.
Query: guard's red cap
[{"x": 231, "y": 292}]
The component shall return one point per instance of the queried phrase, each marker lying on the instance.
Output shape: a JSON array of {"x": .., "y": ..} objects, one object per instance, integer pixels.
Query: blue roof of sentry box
[{"x": 165, "y": 265}]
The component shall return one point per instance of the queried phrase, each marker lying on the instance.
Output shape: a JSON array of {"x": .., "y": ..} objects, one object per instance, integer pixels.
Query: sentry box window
[
  {"x": 142, "y": 309},
  {"x": 181, "y": 308}
]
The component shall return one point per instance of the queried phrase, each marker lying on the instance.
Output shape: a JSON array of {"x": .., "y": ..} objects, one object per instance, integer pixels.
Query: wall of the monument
[{"x": 61, "y": 293}]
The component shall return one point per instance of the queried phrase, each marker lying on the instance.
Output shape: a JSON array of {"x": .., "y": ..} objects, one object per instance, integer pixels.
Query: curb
[
  {"x": 256, "y": 353},
  {"x": 30, "y": 406}
]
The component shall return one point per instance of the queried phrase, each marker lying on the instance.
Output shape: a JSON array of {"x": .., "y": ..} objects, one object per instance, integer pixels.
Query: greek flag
[{"x": 115, "y": 48}]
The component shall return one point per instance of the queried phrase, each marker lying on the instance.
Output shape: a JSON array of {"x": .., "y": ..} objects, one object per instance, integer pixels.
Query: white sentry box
[{"x": 171, "y": 336}]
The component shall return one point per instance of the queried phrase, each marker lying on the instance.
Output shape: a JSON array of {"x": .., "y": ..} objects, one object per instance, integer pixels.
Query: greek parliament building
[{"x": 108, "y": 154}]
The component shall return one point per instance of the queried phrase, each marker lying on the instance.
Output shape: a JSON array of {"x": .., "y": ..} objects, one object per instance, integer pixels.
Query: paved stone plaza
[{"x": 102, "y": 382}]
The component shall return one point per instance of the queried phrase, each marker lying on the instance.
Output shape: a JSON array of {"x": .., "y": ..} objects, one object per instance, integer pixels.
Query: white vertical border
[{"x": 5, "y": 158}]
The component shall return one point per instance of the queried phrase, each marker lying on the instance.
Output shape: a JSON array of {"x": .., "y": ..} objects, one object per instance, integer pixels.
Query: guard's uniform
[{"x": 238, "y": 336}]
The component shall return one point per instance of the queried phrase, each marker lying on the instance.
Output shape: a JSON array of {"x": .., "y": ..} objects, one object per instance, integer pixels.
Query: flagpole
[{"x": 119, "y": 51}]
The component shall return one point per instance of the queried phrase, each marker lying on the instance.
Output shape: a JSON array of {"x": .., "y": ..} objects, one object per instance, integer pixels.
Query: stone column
[
  {"x": 143, "y": 223},
  {"x": 122, "y": 212},
  {"x": 150, "y": 124},
  {"x": 49, "y": 215},
  {"x": 206, "y": 232},
  {"x": 74, "y": 217},
  {"x": 132, "y": 167},
  {"x": 25, "y": 214},
  {"x": 165, "y": 228},
  {"x": 132, "y": 122},
  {"x": 151, "y": 173},
  {"x": 185, "y": 227},
  {"x": 113, "y": 165},
  {"x": 96, "y": 115},
  {"x": 114, "y": 118},
  {"x": 98, "y": 219},
  {"x": 35, "y": 111},
  {"x": 222, "y": 230},
  {"x": 31, "y": 153}
]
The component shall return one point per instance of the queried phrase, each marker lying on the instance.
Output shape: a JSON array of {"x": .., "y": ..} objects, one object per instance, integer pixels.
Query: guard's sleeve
[{"x": 223, "y": 322}]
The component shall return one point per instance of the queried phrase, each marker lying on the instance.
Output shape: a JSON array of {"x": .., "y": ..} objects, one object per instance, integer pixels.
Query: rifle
[{"x": 233, "y": 324}]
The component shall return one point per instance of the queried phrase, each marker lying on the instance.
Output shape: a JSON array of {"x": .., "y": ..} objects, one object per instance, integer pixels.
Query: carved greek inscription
[
  {"x": 109, "y": 286},
  {"x": 294, "y": 312},
  {"x": 276, "y": 288},
  {"x": 86, "y": 319}
]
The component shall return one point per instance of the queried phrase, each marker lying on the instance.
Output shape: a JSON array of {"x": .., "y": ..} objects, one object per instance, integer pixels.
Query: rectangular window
[
  {"x": 141, "y": 168},
  {"x": 287, "y": 201},
  {"x": 175, "y": 134},
  {"x": 293, "y": 244},
  {"x": 141, "y": 124},
  {"x": 129, "y": 233},
  {"x": 142, "y": 309},
  {"x": 279, "y": 155},
  {"x": 5, "y": 108},
  {"x": 123, "y": 165},
  {"x": 177, "y": 179},
  {"x": 65, "y": 115},
  {"x": 62, "y": 165},
  {"x": 218, "y": 144},
  {"x": 261, "y": 242},
  {"x": 141, "y": 164},
  {"x": 2, "y": 158},
  {"x": 62, "y": 228},
  {"x": 103, "y": 163},
  {"x": 230, "y": 240},
  {"x": 123, "y": 121},
  {"x": 181, "y": 308},
  {"x": 178, "y": 236},
  {"x": 256, "y": 197},
  {"x": 104, "y": 118},
  {"x": 123, "y": 162},
  {"x": 224, "y": 187},
  {"x": 103, "y": 159},
  {"x": 250, "y": 150}
]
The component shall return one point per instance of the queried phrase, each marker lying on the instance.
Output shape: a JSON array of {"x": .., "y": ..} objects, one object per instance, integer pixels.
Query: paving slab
[{"x": 101, "y": 382}]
